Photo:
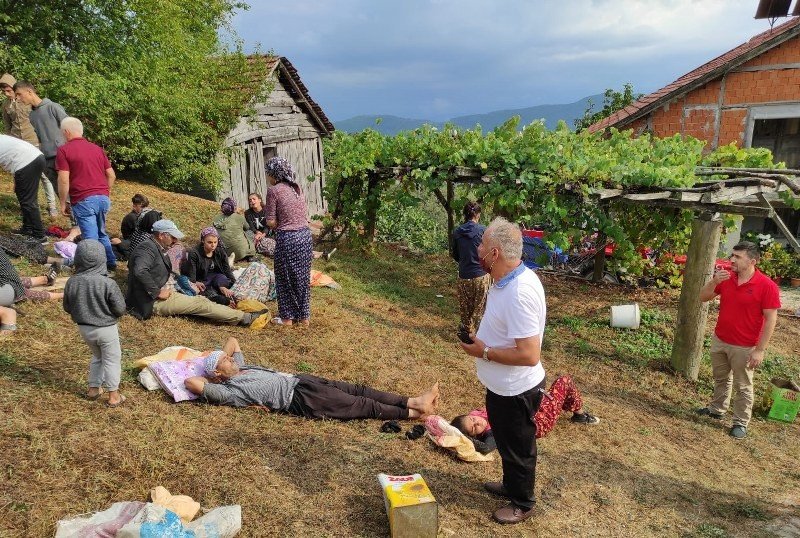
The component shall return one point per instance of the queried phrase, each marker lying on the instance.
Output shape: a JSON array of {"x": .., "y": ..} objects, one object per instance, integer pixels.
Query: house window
[
  {"x": 781, "y": 136},
  {"x": 777, "y": 128}
]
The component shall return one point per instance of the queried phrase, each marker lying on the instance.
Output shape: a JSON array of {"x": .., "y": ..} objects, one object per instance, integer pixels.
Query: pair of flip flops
[{"x": 392, "y": 426}]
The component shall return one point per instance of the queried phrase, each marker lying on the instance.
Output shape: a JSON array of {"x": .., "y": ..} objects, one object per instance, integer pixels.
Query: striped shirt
[{"x": 253, "y": 385}]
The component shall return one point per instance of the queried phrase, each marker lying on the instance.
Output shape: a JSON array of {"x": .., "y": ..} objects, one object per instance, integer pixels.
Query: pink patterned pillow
[{"x": 172, "y": 374}]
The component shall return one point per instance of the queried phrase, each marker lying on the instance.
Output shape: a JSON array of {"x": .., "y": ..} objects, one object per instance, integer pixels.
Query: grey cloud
[{"x": 437, "y": 59}]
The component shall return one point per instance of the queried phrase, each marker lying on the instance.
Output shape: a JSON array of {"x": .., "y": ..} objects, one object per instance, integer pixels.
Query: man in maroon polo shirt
[
  {"x": 85, "y": 176},
  {"x": 748, "y": 310}
]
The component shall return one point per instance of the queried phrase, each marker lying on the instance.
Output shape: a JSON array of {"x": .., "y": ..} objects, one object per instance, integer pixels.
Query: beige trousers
[
  {"x": 729, "y": 363},
  {"x": 178, "y": 304}
]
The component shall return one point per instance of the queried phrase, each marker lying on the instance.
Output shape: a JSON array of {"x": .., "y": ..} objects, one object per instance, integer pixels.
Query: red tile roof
[{"x": 702, "y": 75}]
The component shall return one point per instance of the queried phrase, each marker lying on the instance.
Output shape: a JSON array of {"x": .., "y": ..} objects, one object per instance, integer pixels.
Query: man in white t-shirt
[
  {"x": 26, "y": 162},
  {"x": 507, "y": 350}
]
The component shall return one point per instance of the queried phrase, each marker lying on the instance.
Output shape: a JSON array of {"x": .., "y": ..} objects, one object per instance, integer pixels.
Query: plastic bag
[
  {"x": 103, "y": 524},
  {"x": 148, "y": 380},
  {"x": 155, "y": 521}
]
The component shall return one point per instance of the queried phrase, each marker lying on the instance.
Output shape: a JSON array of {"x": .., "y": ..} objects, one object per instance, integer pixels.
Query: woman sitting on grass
[
  {"x": 14, "y": 288},
  {"x": 233, "y": 228},
  {"x": 208, "y": 269},
  {"x": 563, "y": 396}
]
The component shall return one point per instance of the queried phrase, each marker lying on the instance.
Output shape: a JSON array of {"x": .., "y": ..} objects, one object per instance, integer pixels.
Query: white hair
[
  {"x": 506, "y": 237},
  {"x": 73, "y": 125}
]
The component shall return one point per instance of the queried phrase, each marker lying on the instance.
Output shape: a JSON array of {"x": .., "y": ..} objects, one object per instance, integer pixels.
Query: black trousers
[
  {"x": 514, "y": 431},
  {"x": 51, "y": 173},
  {"x": 317, "y": 397},
  {"x": 26, "y": 187}
]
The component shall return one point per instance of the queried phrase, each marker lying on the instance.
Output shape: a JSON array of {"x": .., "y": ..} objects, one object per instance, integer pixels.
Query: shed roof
[
  {"x": 707, "y": 72},
  {"x": 296, "y": 89}
]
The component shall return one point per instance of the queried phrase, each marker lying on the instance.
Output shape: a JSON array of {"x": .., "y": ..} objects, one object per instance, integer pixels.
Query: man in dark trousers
[
  {"x": 25, "y": 162},
  {"x": 507, "y": 350},
  {"x": 45, "y": 116},
  {"x": 748, "y": 311}
]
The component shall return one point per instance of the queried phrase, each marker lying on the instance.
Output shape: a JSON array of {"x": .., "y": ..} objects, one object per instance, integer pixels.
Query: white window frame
[{"x": 768, "y": 112}]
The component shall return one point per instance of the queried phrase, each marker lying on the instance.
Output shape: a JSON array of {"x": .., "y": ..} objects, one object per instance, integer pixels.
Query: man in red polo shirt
[
  {"x": 748, "y": 310},
  {"x": 85, "y": 176}
]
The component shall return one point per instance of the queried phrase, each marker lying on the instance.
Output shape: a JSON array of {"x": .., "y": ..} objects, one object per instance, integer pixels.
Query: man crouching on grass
[{"x": 229, "y": 381}]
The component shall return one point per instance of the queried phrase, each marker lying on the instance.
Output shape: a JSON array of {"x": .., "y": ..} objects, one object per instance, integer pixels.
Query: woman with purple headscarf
[
  {"x": 233, "y": 228},
  {"x": 208, "y": 269},
  {"x": 287, "y": 214}
]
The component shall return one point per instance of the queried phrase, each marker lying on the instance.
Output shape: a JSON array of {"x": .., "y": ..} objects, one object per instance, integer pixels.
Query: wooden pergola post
[{"x": 687, "y": 350}]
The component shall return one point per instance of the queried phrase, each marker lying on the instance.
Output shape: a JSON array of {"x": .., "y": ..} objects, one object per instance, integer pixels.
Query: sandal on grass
[
  {"x": 121, "y": 401},
  {"x": 94, "y": 398},
  {"x": 52, "y": 273}
]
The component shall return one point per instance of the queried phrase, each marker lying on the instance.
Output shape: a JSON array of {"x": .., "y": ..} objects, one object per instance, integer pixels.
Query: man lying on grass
[{"x": 229, "y": 381}]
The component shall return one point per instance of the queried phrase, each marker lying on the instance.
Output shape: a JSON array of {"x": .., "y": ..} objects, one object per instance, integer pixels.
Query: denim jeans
[{"x": 90, "y": 214}]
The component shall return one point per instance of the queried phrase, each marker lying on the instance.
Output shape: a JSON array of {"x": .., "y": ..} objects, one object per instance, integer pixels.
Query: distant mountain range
[{"x": 550, "y": 113}]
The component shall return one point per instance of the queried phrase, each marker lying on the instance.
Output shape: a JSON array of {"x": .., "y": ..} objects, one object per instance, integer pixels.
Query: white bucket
[{"x": 625, "y": 316}]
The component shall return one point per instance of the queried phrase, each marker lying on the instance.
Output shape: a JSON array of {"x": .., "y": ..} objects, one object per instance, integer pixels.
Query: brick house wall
[{"x": 723, "y": 110}]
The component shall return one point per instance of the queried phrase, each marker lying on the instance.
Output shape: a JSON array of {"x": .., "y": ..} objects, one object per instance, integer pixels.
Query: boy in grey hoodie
[{"x": 95, "y": 303}]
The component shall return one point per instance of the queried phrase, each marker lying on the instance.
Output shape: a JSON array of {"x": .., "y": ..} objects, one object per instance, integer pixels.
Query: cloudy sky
[{"x": 436, "y": 59}]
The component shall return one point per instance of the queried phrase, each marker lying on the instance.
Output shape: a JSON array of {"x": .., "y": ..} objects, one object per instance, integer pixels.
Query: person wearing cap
[
  {"x": 85, "y": 177},
  {"x": 149, "y": 269},
  {"x": 229, "y": 381}
]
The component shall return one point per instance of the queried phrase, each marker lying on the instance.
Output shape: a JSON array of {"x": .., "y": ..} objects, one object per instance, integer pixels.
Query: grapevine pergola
[{"x": 743, "y": 191}]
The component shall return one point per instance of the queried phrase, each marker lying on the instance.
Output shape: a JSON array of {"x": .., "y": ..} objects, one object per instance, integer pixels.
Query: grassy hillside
[{"x": 651, "y": 468}]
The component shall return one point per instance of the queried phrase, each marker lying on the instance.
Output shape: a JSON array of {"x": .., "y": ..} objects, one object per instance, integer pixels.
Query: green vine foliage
[{"x": 538, "y": 176}]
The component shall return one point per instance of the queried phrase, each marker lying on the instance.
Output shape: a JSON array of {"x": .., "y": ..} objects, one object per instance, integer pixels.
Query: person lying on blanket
[
  {"x": 229, "y": 381},
  {"x": 563, "y": 396}
]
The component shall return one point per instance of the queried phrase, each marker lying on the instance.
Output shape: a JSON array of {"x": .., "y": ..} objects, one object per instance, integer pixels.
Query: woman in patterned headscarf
[
  {"x": 287, "y": 214},
  {"x": 232, "y": 228},
  {"x": 207, "y": 267}
]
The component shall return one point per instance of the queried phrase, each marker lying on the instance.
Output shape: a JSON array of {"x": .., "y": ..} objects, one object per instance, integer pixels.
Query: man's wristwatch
[{"x": 486, "y": 354}]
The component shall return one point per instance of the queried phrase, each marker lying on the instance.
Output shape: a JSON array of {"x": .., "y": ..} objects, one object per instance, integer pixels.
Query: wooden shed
[{"x": 288, "y": 124}]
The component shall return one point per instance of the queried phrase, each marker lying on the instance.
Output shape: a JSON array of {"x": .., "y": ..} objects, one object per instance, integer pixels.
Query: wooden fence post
[
  {"x": 451, "y": 224},
  {"x": 600, "y": 258},
  {"x": 687, "y": 350},
  {"x": 373, "y": 203}
]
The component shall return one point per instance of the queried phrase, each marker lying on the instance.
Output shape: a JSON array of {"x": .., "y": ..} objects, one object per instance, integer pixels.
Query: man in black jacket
[{"x": 148, "y": 272}]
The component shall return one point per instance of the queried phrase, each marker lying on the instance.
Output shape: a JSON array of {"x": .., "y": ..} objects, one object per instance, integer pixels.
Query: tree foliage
[
  {"x": 152, "y": 80},
  {"x": 538, "y": 176},
  {"x": 612, "y": 101}
]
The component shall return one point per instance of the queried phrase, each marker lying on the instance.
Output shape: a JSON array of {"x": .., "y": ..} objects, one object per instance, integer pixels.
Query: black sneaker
[
  {"x": 585, "y": 418},
  {"x": 33, "y": 240},
  {"x": 706, "y": 412},
  {"x": 739, "y": 432}
]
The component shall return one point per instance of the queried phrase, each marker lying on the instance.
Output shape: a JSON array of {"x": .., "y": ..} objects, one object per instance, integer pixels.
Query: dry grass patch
[{"x": 651, "y": 468}]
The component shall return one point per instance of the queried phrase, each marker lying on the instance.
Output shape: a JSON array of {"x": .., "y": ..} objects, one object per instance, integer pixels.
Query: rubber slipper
[
  {"x": 95, "y": 397},
  {"x": 121, "y": 401}
]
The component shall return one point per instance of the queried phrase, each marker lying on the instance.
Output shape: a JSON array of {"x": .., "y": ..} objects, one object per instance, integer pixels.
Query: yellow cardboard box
[{"x": 410, "y": 505}]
